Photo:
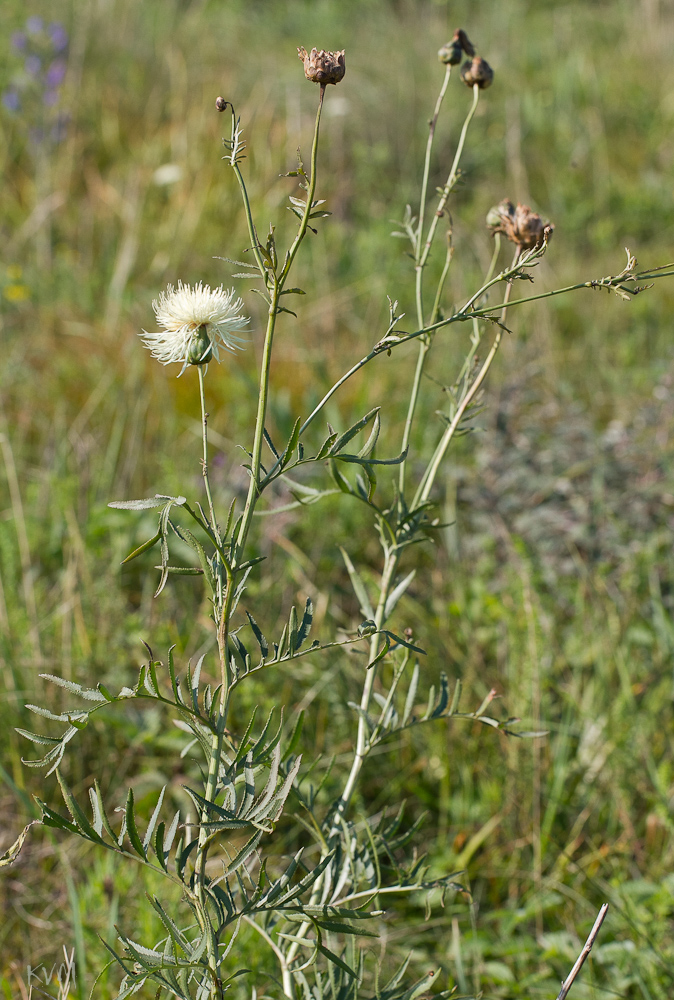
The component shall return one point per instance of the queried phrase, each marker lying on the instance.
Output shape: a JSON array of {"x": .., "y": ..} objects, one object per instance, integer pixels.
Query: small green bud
[
  {"x": 200, "y": 350},
  {"x": 497, "y": 212},
  {"x": 451, "y": 52}
]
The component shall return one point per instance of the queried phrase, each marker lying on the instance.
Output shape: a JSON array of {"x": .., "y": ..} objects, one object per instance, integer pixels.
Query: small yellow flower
[{"x": 16, "y": 293}]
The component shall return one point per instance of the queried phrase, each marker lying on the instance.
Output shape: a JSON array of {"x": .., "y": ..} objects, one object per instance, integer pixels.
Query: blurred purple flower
[
  {"x": 50, "y": 97},
  {"x": 55, "y": 73},
  {"x": 59, "y": 36},
  {"x": 33, "y": 65},
  {"x": 34, "y": 25},
  {"x": 10, "y": 99},
  {"x": 19, "y": 40}
]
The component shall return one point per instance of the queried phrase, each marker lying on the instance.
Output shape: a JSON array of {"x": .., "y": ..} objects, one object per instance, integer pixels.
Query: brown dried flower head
[
  {"x": 477, "y": 71},
  {"x": 520, "y": 225},
  {"x": 452, "y": 52},
  {"x": 321, "y": 66}
]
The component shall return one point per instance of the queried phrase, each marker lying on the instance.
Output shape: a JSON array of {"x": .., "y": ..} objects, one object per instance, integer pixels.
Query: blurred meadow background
[{"x": 554, "y": 583}]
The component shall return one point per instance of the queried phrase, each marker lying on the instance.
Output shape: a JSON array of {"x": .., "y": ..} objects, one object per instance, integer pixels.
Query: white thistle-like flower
[{"x": 196, "y": 323}]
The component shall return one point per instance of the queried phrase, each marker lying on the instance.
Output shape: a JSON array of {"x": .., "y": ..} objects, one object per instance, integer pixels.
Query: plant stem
[
  {"x": 311, "y": 191},
  {"x": 421, "y": 258},
  {"x": 451, "y": 180},
  {"x": 426, "y": 484},
  {"x": 276, "y": 282},
  {"x": 204, "y": 460},
  {"x": 254, "y": 487},
  {"x": 390, "y": 565},
  {"x": 263, "y": 397},
  {"x": 424, "y": 189},
  {"x": 285, "y": 971}
]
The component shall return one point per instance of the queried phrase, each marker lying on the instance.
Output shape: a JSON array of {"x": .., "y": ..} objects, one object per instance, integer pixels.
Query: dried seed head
[
  {"x": 220, "y": 104},
  {"x": 477, "y": 71},
  {"x": 451, "y": 52},
  {"x": 520, "y": 225},
  {"x": 321, "y": 66}
]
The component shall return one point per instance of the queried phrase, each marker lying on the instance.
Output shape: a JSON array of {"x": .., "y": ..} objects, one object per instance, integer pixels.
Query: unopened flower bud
[
  {"x": 451, "y": 53},
  {"x": 200, "y": 350},
  {"x": 321, "y": 66},
  {"x": 220, "y": 104},
  {"x": 520, "y": 225},
  {"x": 477, "y": 71}
]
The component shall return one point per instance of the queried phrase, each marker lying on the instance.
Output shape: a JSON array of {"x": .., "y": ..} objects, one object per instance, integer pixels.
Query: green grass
[{"x": 554, "y": 586}]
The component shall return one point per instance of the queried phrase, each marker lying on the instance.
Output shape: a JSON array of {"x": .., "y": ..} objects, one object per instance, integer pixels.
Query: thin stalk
[
  {"x": 390, "y": 566},
  {"x": 443, "y": 277},
  {"x": 421, "y": 258},
  {"x": 255, "y": 243},
  {"x": 304, "y": 224},
  {"x": 424, "y": 189},
  {"x": 211, "y": 788},
  {"x": 204, "y": 460},
  {"x": 285, "y": 971},
  {"x": 424, "y": 348},
  {"x": 461, "y": 316},
  {"x": 263, "y": 396},
  {"x": 451, "y": 180},
  {"x": 428, "y": 480}
]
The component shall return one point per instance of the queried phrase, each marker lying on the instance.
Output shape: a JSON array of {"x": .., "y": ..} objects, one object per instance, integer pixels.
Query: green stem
[
  {"x": 421, "y": 258},
  {"x": 304, "y": 224},
  {"x": 204, "y": 460},
  {"x": 443, "y": 277},
  {"x": 254, "y": 487},
  {"x": 263, "y": 397},
  {"x": 424, "y": 347},
  {"x": 428, "y": 480},
  {"x": 424, "y": 189},
  {"x": 244, "y": 194},
  {"x": 286, "y": 975},
  {"x": 451, "y": 181},
  {"x": 390, "y": 565}
]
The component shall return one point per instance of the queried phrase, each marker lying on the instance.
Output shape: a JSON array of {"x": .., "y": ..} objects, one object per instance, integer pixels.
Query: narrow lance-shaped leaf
[
  {"x": 397, "y": 593},
  {"x": 359, "y": 588},
  {"x": 306, "y": 623},
  {"x": 411, "y": 695},
  {"x": 344, "y": 438},
  {"x": 142, "y": 548},
  {"x": 257, "y": 632}
]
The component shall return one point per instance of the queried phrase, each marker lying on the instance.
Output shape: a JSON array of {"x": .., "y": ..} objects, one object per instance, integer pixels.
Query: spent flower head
[
  {"x": 519, "y": 224},
  {"x": 196, "y": 323},
  {"x": 477, "y": 71},
  {"x": 321, "y": 66}
]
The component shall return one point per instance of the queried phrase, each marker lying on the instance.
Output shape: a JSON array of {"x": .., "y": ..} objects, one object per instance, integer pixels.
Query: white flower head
[{"x": 196, "y": 323}]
